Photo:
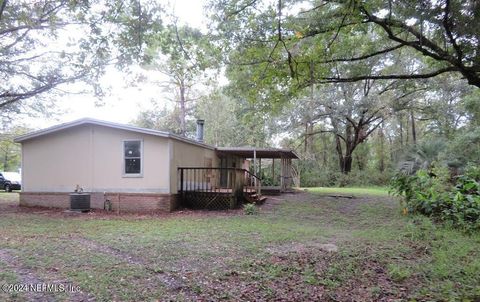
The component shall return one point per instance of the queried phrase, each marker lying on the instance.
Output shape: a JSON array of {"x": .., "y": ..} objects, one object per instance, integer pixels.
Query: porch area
[
  {"x": 217, "y": 188},
  {"x": 241, "y": 177},
  {"x": 273, "y": 166}
]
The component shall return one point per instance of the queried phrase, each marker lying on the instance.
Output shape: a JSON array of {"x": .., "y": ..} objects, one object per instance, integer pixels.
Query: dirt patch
[
  {"x": 14, "y": 208},
  {"x": 307, "y": 275},
  {"x": 271, "y": 203},
  {"x": 98, "y": 247},
  {"x": 28, "y": 276},
  {"x": 171, "y": 282},
  {"x": 301, "y": 248}
]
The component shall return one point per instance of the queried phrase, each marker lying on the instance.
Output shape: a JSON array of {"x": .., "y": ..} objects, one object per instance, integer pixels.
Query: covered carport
[{"x": 282, "y": 181}]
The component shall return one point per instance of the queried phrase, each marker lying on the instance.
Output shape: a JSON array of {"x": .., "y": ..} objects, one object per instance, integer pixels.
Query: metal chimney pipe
[{"x": 200, "y": 130}]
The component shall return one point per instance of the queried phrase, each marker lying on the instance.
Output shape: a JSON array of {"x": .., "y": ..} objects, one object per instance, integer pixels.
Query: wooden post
[
  {"x": 255, "y": 164},
  {"x": 233, "y": 179},
  {"x": 228, "y": 179},
  {"x": 289, "y": 173},
  {"x": 273, "y": 171},
  {"x": 282, "y": 173}
]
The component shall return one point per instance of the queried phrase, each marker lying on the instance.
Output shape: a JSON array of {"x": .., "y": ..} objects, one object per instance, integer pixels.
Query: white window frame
[{"x": 141, "y": 158}]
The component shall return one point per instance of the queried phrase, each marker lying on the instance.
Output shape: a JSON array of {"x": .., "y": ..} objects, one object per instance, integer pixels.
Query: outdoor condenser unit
[{"x": 80, "y": 202}]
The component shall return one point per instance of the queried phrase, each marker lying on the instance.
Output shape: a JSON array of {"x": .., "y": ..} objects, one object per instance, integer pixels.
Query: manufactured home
[{"x": 138, "y": 169}]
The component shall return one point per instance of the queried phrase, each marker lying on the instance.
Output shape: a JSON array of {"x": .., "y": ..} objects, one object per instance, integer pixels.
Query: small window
[{"x": 132, "y": 153}]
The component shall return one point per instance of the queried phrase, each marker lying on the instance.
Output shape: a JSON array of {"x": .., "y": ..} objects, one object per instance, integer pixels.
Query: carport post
[
  {"x": 273, "y": 171},
  {"x": 255, "y": 165}
]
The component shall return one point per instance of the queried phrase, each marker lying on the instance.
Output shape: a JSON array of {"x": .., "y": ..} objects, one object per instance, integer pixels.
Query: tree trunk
[
  {"x": 325, "y": 151},
  {"x": 361, "y": 162},
  {"x": 5, "y": 160},
  {"x": 347, "y": 164},
  {"x": 305, "y": 147},
  {"x": 344, "y": 161},
  {"x": 381, "y": 155},
  {"x": 407, "y": 130},
  {"x": 414, "y": 130},
  {"x": 308, "y": 141},
  {"x": 310, "y": 138},
  {"x": 338, "y": 147},
  {"x": 400, "y": 123},
  {"x": 183, "y": 109}
]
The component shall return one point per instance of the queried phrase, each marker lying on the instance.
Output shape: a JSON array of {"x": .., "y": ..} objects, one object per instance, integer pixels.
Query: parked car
[{"x": 10, "y": 181}]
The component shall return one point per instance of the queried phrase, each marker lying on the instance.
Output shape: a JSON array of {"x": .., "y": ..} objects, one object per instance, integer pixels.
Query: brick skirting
[{"x": 128, "y": 202}]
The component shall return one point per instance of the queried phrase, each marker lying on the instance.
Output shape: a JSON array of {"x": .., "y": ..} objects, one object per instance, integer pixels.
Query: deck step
[
  {"x": 261, "y": 200},
  {"x": 255, "y": 198}
]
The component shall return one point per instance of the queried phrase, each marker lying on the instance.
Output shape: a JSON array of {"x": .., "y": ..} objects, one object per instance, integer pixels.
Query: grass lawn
[
  {"x": 360, "y": 191},
  {"x": 300, "y": 247}
]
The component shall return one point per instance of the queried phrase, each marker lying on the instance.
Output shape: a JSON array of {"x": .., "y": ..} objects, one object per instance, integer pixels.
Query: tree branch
[
  {"x": 241, "y": 9},
  {"x": 2, "y": 8},
  {"x": 360, "y": 58},
  {"x": 7, "y": 97},
  {"x": 385, "y": 77},
  {"x": 447, "y": 24}
]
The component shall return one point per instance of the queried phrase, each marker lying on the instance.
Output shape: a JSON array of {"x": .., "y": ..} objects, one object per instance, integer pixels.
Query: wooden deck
[
  {"x": 221, "y": 188},
  {"x": 216, "y": 188}
]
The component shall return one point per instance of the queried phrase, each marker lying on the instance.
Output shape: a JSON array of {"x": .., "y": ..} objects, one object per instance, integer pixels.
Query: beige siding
[
  {"x": 92, "y": 157},
  {"x": 57, "y": 162},
  {"x": 188, "y": 155},
  {"x": 108, "y": 162}
]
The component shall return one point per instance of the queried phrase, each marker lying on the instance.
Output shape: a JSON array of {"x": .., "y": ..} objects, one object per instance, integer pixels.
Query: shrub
[
  {"x": 473, "y": 171},
  {"x": 434, "y": 194},
  {"x": 250, "y": 209}
]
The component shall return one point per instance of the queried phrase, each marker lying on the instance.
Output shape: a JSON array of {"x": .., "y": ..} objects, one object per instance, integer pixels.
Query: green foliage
[
  {"x": 314, "y": 174},
  {"x": 45, "y": 44},
  {"x": 398, "y": 273},
  {"x": 431, "y": 193},
  {"x": 10, "y": 152},
  {"x": 464, "y": 148},
  {"x": 472, "y": 106},
  {"x": 422, "y": 156},
  {"x": 250, "y": 209},
  {"x": 182, "y": 54},
  {"x": 473, "y": 171},
  {"x": 164, "y": 119}
]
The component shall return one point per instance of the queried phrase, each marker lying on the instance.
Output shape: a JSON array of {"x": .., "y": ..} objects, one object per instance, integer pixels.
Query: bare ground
[
  {"x": 338, "y": 269},
  {"x": 29, "y": 276}
]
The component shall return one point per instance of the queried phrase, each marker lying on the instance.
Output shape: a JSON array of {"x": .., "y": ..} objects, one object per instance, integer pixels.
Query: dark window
[{"x": 132, "y": 157}]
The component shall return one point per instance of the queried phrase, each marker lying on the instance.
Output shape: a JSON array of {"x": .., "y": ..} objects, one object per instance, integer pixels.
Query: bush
[
  {"x": 432, "y": 193},
  {"x": 250, "y": 209},
  {"x": 473, "y": 171}
]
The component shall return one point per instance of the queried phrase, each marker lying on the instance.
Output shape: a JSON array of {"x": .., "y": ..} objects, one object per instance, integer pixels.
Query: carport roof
[{"x": 251, "y": 152}]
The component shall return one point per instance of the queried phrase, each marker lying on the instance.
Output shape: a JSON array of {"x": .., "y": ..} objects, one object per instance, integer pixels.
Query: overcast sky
[{"x": 124, "y": 103}]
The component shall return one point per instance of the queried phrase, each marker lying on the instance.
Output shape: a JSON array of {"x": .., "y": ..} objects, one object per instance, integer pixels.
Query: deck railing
[{"x": 232, "y": 181}]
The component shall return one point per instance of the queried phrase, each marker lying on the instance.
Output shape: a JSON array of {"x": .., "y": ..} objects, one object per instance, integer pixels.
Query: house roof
[
  {"x": 251, "y": 152},
  {"x": 90, "y": 121},
  {"x": 245, "y": 152}
]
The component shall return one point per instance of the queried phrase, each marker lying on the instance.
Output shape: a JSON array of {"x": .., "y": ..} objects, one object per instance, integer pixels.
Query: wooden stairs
[{"x": 254, "y": 197}]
